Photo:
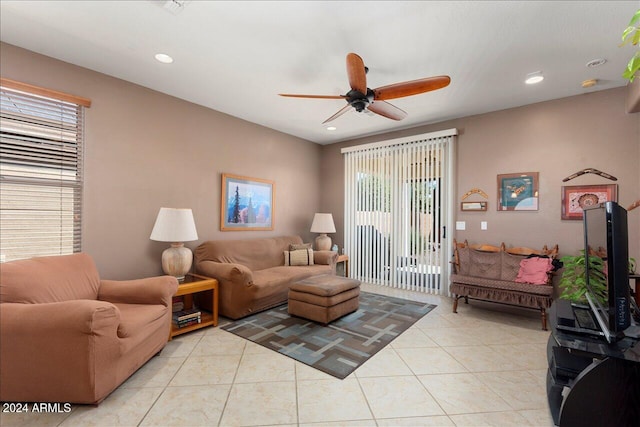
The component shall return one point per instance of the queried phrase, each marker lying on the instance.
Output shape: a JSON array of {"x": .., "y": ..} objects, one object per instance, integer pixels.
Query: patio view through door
[{"x": 399, "y": 212}]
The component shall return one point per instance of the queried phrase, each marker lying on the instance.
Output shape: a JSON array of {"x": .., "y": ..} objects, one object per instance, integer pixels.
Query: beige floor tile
[
  {"x": 385, "y": 363},
  {"x": 435, "y": 421},
  {"x": 463, "y": 393},
  {"x": 429, "y": 361},
  {"x": 206, "y": 370},
  {"x": 484, "y": 358},
  {"x": 502, "y": 419},
  {"x": 219, "y": 342},
  {"x": 396, "y": 397},
  {"x": 182, "y": 345},
  {"x": 265, "y": 366},
  {"x": 188, "y": 406},
  {"x": 33, "y": 419},
  {"x": 306, "y": 372},
  {"x": 345, "y": 423},
  {"x": 123, "y": 407},
  {"x": 531, "y": 356},
  {"x": 413, "y": 337},
  {"x": 261, "y": 404},
  {"x": 520, "y": 389},
  {"x": 157, "y": 372},
  {"x": 453, "y": 337},
  {"x": 328, "y": 400},
  {"x": 434, "y": 320},
  {"x": 538, "y": 417}
]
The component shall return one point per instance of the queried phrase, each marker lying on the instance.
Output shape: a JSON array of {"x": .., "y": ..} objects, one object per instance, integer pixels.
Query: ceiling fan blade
[
  {"x": 291, "y": 95},
  {"x": 387, "y": 110},
  {"x": 357, "y": 74},
  {"x": 413, "y": 87},
  {"x": 338, "y": 114}
]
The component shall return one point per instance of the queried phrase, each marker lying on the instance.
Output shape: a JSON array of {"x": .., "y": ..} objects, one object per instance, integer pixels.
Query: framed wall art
[
  {"x": 575, "y": 198},
  {"x": 518, "y": 191},
  {"x": 247, "y": 203}
]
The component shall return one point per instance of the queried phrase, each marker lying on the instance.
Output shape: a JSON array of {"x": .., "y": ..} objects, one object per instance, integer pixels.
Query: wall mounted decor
[
  {"x": 518, "y": 191},
  {"x": 247, "y": 203},
  {"x": 575, "y": 198},
  {"x": 473, "y": 206},
  {"x": 590, "y": 170},
  {"x": 475, "y": 191}
]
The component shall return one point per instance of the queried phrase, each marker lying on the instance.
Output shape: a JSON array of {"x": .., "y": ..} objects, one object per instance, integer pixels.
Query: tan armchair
[{"x": 67, "y": 336}]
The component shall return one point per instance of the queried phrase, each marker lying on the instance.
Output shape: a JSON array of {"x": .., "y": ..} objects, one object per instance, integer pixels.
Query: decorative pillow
[
  {"x": 298, "y": 246},
  {"x": 485, "y": 264},
  {"x": 510, "y": 266},
  {"x": 534, "y": 271},
  {"x": 299, "y": 257}
]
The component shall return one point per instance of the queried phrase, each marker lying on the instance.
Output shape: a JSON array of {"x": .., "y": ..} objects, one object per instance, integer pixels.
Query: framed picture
[
  {"x": 473, "y": 206},
  {"x": 575, "y": 198},
  {"x": 247, "y": 203},
  {"x": 518, "y": 191}
]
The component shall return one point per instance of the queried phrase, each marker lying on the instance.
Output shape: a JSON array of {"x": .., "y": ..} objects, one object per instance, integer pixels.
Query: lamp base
[
  {"x": 177, "y": 260},
  {"x": 323, "y": 242}
]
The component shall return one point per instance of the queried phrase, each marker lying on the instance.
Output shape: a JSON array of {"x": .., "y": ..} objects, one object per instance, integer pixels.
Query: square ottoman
[{"x": 324, "y": 298}]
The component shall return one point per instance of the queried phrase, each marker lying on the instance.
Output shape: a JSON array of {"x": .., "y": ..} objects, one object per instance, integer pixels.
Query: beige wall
[
  {"x": 145, "y": 150},
  {"x": 555, "y": 138}
]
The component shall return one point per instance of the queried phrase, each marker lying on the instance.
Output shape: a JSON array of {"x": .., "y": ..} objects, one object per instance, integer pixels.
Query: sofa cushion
[
  {"x": 463, "y": 257},
  {"x": 485, "y": 264},
  {"x": 299, "y": 257},
  {"x": 510, "y": 266},
  {"x": 49, "y": 279},
  {"x": 534, "y": 271},
  {"x": 546, "y": 290},
  {"x": 295, "y": 247}
]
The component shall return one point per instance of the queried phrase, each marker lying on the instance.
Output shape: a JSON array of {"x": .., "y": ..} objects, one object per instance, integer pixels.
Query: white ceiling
[{"x": 235, "y": 57}]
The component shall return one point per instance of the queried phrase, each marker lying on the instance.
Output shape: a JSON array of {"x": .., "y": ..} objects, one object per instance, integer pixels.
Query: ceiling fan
[{"x": 361, "y": 97}]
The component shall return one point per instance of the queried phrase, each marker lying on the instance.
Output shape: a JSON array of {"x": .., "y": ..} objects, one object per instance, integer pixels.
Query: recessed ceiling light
[
  {"x": 331, "y": 128},
  {"x": 533, "y": 78},
  {"x": 596, "y": 62},
  {"x": 164, "y": 58}
]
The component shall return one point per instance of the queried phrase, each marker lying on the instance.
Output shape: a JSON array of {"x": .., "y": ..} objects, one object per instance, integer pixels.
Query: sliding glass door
[{"x": 398, "y": 197}]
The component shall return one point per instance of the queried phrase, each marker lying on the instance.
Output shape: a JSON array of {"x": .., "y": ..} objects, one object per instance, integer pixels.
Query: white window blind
[
  {"x": 41, "y": 148},
  {"x": 398, "y": 209}
]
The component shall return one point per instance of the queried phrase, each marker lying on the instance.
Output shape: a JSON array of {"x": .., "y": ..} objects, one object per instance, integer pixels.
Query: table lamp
[
  {"x": 175, "y": 226},
  {"x": 323, "y": 223}
]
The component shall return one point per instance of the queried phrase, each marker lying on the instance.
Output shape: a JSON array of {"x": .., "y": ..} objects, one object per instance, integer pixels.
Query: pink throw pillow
[{"x": 534, "y": 271}]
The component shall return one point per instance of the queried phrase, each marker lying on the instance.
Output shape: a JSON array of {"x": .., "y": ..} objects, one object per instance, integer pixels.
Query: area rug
[{"x": 340, "y": 347}]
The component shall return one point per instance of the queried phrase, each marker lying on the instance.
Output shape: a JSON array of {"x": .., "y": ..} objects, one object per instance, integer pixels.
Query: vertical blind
[
  {"x": 398, "y": 197},
  {"x": 41, "y": 150}
]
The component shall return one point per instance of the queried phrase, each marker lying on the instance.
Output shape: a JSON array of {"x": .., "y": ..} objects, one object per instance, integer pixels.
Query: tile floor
[{"x": 485, "y": 366}]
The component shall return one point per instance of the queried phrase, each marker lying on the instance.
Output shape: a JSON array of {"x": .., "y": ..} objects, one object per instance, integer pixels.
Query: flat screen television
[{"x": 606, "y": 246}]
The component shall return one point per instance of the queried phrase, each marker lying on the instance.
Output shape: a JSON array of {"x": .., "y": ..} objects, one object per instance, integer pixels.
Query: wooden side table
[
  {"x": 345, "y": 259},
  {"x": 194, "y": 283}
]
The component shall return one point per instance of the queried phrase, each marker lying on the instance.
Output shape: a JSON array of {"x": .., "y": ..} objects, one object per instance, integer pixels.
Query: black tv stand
[{"x": 591, "y": 382}]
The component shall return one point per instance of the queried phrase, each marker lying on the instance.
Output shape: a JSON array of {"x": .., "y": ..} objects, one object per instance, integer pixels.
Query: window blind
[
  {"x": 41, "y": 153},
  {"x": 398, "y": 207}
]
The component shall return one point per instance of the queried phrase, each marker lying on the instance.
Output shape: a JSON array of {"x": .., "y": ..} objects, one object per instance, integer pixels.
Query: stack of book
[
  {"x": 184, "y": 318},
  {"x": 178, "y": 304}
]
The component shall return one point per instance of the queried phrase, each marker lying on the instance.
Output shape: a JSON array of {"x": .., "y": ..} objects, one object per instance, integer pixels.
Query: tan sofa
[
  {"x": 251, "y": 273},
  {"x": 68, "y": 336},
  {"x": 489, "y": 273}
]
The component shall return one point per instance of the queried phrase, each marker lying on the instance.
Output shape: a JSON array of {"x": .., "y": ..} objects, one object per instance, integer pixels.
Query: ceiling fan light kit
[{"x": 363, "y": 99}]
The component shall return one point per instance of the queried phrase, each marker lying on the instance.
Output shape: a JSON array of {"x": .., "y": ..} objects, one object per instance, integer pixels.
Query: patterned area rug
[{"x": 343, "y": 345}]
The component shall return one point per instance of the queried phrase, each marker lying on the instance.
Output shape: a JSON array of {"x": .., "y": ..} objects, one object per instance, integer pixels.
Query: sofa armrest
[
  {"x": 150, "y": 290},
  {"x": 57, "y": 319},
  {"x": 325, "y": 257},
  {"x": 226, "y": 272}
]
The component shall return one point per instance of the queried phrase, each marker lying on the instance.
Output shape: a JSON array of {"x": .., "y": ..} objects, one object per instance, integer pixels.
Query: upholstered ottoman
[{"x": 324, "y": 298}]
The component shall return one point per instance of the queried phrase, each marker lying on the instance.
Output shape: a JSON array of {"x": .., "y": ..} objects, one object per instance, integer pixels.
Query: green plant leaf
[{"x": 636, "y": 17}]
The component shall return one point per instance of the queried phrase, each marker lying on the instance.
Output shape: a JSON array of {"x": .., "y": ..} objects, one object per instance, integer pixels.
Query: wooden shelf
[
  {"x": 194, "y": 283},
  {"x": 206, "y": 319}
]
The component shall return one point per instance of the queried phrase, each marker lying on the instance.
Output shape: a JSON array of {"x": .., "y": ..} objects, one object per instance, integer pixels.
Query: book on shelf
[
  {"x": 177, "y": 304},
  {"x": 186, "y": 314},
  {"x": 187, "y": 322}
]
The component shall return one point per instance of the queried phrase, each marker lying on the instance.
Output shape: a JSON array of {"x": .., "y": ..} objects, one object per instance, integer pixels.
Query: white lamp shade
[
  {"x": 323, "y": 223},
  {"x": 174, "y": 225}
]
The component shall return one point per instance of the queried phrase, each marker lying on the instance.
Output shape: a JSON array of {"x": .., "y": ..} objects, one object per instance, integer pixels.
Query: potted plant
[
  {"x": 631, "y": 34},
  {"x": 574, "y": 280}
]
